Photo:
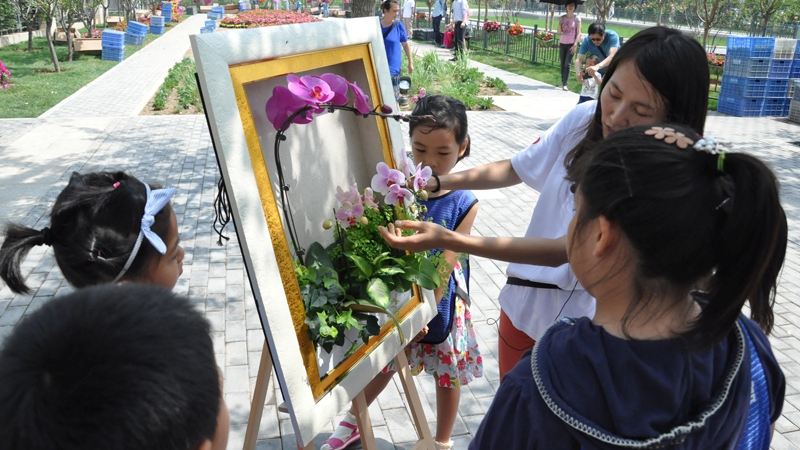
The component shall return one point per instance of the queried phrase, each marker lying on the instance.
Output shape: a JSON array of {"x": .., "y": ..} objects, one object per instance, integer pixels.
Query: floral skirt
[{"x": 456, "y": 361}]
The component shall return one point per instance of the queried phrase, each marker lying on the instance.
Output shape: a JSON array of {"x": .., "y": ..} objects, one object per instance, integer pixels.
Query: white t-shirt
[
  {"x": 589, "y": 88},
  {"x": 408, "y": 8},
  {"x": 541, "y": 166}
]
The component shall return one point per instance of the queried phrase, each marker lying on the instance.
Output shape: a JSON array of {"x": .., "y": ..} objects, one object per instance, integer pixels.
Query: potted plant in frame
[{"x": 345, "y": 283}]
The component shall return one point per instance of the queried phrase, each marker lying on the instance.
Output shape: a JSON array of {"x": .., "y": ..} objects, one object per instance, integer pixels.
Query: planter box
[
  {"x": 113, "y": 21},
  {"x": 88, "y": 45},
  {"x": 231, "y": 9},
  {"x": 142, "y": 13},
  {"x": 60, "y": 37}
]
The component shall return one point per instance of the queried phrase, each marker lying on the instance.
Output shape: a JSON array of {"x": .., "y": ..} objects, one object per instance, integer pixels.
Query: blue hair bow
[{"x": 156, "y": 200}]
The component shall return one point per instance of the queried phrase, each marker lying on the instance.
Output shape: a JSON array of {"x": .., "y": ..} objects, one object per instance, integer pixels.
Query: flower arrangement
[
  {"x": 5, "y": 75},
  {"x": 266, "y": 18},
  {"x": 415, "y": 98},
  {"x": 545, "y": 35},
  {"x": 715, "y": 59},
  {"x": 358, "y": 273},
  {"x": 205, "y": 2},
  {"x": 515, "y": 30},
  {"x": 422, "y": 16},
  {"x": 491, "y": 26},
  {"x": 122, "y": 25},
  {"x": 97, "y": 34}
]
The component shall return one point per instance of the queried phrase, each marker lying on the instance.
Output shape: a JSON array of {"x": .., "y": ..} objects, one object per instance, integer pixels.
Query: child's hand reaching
[
  {"x": 428, "y": 237},
  {"x": 420, "y": 336}
]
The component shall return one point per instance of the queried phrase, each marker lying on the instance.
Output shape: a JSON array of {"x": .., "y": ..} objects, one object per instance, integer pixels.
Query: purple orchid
[
  {"x": 386, "y": 177},
  {"x": 339, "y": 87},
  {"x": 351, "y": 195},
  {"x": 369, "y": 199},
  {"x": 314, "y": 90},
  {"x": 408, "y": 167},
  {"x": 283, "y": 104},
  {"x": 421, "y": 177},
  {"x": 362, "y": 103},
  {"x": 349, "y": 214},
  {"x": 399, "y": 196}
]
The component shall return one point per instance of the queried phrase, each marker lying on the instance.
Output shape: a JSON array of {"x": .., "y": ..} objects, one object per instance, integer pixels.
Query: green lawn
[
  {"x": 35, "y": 88},
  {"x": 622, "y": 31},
  {"x": 539, "y": 72}
]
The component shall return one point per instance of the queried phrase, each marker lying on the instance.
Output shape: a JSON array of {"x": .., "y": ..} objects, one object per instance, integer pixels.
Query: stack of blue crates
[
  {"x": 157, "y": 25},
  {"x": 794, "y": 108},
  {"x": 216, "y": 13},
  {"x": 113, "y": 45},
  {"x": 756, "y": 76},
  {"x": 166, "y": 11},
  {"x": 135, "y": 34},
  {"x": 210, "y": 26}
]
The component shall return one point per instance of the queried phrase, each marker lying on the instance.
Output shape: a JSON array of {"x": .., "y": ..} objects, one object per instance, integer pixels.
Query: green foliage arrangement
[{"x": 180, "y": 78}]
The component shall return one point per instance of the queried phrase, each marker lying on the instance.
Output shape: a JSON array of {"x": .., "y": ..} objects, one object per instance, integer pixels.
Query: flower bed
[
  {"x": 715, "y": 60},
  {"x": 490, "y": 26},
  {"x": 266, "y": 18}
]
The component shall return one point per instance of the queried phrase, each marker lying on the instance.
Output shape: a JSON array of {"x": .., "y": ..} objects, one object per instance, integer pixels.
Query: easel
[{"x": 364, "y": 422}]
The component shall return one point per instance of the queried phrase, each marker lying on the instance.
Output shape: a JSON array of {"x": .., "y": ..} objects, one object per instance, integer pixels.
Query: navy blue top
[
  {"x": 586, "y": 388},
  {"x": 394, "y": 51},
  {"x": 449, "y": 211}
]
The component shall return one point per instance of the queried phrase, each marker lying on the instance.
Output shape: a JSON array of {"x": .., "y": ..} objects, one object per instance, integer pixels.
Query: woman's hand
[
  {"x": 428, "y": 237},
  {"x": 591, "y": 70},
  {"x": 572, "y": 50}
]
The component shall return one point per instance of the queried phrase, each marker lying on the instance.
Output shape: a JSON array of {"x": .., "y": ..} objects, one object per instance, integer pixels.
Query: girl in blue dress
[{"x": 447, "y": 347}]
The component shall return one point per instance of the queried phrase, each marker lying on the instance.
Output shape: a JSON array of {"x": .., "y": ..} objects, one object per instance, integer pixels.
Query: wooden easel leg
[
  {"x": 417, "y": 414},
  {"x": 259, "y": 397},
  {"x": 364, "y": 423}
]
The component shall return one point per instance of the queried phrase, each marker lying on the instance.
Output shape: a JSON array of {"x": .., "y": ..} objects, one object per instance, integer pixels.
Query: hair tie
[
  {"x": 438, "y": 184},
  {"x": 713, "y": 146},
  {"x": 116, "y": 185},
  {"x": 156, "y": 200},
  {"x": 47, "y": 237}
]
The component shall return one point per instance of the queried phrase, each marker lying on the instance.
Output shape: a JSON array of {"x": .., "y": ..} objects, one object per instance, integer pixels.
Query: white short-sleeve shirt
[
  {"x": 541, "y": 166},
  {"x": 408, "y": 9}
]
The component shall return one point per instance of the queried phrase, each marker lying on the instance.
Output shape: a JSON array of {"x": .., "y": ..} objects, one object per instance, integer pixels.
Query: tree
[
  {"x": 88, "y": 12},
  {"x": 363, "y": 8},
  {"x": 67, "y": 14},
  {"x": 709, "y": 13},
  {"x": 48, "y": 10},
  {"x": 602, "y": 8},
  {"x": 764, "y": 10},
  {"x": 28, "y": 11}
]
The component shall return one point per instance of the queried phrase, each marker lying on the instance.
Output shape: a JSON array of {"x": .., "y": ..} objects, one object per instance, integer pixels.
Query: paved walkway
[{"x": 39, "y": 155}]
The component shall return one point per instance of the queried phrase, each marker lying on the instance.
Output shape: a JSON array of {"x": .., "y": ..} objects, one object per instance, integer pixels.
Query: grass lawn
[
  {"x": 622, "y": 31},
  {"x": 35, "y": 88},
  {"x": 539, "y": 72}
]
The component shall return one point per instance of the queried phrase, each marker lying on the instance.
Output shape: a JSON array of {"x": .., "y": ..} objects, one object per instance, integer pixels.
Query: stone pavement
[{"x": 39, "y": 155}]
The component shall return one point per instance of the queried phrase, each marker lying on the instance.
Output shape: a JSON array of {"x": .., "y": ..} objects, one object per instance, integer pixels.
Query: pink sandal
[{"x": 336, "y": 443}]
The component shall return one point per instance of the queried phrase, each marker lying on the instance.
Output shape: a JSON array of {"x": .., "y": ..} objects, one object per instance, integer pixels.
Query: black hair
[
  {"x": 691, "y": 226},
  {"x": 448, "y": 113},
  {"x": 571, "y": 2},
  {"x": 128, "y": 366},
  {"x": 387, "y": 4},
  {"x": 663, "y": 57},
  {"x": 597, "y": 28},
  {"x": 93, "y": 229}
]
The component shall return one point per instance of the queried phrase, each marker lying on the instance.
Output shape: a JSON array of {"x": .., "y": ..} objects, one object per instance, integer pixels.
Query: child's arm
[
  {"x": 524, "y": 250},
  {"x": 598, "y": 78},
  {"x": 449, "y": 255}
]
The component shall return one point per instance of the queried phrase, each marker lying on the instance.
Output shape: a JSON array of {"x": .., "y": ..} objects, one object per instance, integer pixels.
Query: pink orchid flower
[
  {"x": 369, "y": 199},
  {"x": 386, "y": 177},
  {"x": 283, "y": 104},
  {"x": 422, "y": 92},
  {"x": 349, "y": 214},
  {"x": 351, "y": 195},
  {"x": 362, "y": 103},
  {"x": 314, "y": 90},
  {"x": 408, "y": 167},
  {"x": 421, "y": 177},
  {"x": 338, "y": 86},
  {"x": 399, "y": 196}
]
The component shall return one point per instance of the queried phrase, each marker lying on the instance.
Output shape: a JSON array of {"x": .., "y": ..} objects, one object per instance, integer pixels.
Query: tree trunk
[
  {"x": 660, "y": 9},
  {"x": 30, "y": 39},
  {"x": 705, "y": 34},
  {"x": 49, "y": 31},
  {"x": 363, "y": 8}
]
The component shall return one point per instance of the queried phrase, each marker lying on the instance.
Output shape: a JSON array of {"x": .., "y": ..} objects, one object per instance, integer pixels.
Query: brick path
[{"x": 39, "y": 155}]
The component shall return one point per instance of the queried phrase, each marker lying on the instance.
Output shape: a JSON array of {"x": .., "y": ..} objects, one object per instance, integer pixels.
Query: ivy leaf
[
  {"x": 346, "y": 318},
  {"x": 317, "y": 256},
  {"x": 379, "y": 292},
  {"x": 363, "y": 265},
  {"x": 371, "y": 326}
]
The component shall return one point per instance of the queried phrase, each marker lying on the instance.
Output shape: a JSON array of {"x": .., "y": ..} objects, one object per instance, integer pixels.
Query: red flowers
[
  {"x": 545, "y": 35},
  {"x": 490, "y": 26},
  {"x": 715, "y": 59},
  {"x": 266, "y": 18},
  {"x": 515, "y": 30}
]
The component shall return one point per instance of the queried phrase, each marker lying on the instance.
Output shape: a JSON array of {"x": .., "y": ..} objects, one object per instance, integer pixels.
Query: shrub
[{"x": 5, "y": 75}]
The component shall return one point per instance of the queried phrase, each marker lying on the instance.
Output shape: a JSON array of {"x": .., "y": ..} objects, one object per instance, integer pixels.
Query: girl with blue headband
[{"x": 104, "y": 227}]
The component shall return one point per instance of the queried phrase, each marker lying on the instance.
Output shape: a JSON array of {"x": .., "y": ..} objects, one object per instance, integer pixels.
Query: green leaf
[
  {"x": 317, "y": 256},
  {"x": 386, "y": 271},
  {"x": 353, "y": 347},
  {"x": 346, "y": 318},
  {"x": 379, "y": 292},
  {"x": 429, "y": 276},
  {"x": 362, "y": 264}
]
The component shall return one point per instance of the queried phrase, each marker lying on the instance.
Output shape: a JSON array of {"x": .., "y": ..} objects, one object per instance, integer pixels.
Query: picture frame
[{"x": 237, "y": 71}]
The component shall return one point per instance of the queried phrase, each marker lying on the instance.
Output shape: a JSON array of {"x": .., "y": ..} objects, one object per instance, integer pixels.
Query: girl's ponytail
[
  {"x": 749, "y": 250},
  {"x": 18, "y": 242}
]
